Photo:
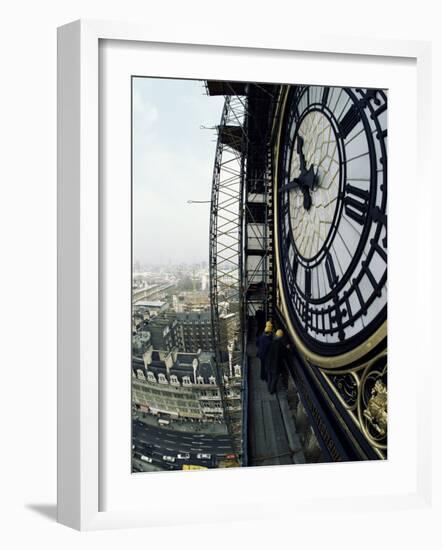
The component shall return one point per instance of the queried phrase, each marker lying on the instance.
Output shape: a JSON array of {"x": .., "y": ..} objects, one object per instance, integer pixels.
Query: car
[
  {"x": 168, "y": 458},
  {"x": 204, "y": 456},
  {"x": 183, "y": 456},
  {"x": 231, "y": 456},
  {"x": 146, "y": 459}
]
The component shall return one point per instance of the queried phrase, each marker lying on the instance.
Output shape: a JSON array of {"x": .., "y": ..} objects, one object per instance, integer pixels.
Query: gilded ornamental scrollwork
[
  {"x": 376, "y": 411},
  {"x": 373, "y": 403},
  {"x": 363, "y": 392}
]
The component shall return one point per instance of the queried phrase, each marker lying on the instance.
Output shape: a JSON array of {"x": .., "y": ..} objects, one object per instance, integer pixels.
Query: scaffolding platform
[{"x": 272, "y": 436}]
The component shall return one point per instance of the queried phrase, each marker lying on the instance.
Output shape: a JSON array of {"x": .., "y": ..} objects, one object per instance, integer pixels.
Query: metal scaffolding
[
  {"x": 226, "y": 253},
  {"x": 258, "y": 202},
  {"x": 240, "y": 231}
]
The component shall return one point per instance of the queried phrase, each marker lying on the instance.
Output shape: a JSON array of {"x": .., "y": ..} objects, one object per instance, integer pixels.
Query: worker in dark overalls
[
  {"x": 262, "y": 344},
  {"x": 276, "y": 357}
]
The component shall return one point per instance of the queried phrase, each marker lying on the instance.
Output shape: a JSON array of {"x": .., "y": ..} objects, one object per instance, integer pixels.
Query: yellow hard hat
[
  {"x": 269, "y": 327},
  {"x": 279, "y": 333}
]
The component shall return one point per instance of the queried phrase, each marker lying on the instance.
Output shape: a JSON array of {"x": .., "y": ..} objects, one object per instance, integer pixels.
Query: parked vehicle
[
  {"x": 183, "y": 456},
  {"x": 146, "y": 459},
  {"x": 204, "y": 456},
  {"x": 168, "y": 458}
]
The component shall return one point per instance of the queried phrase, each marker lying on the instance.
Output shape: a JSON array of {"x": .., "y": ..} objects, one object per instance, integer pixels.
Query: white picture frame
[{"x": 79, "y": 203}]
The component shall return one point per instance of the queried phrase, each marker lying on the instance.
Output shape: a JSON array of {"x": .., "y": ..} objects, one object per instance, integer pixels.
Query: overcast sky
[{"x": 172, "y": 163}]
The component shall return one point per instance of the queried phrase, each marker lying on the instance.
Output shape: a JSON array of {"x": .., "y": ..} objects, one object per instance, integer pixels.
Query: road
[{"x": 156, "y": 442}]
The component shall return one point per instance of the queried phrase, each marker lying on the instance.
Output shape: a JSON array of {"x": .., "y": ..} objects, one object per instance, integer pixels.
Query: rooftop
[
  {"x": 182, "y": 366},
  {"x": 150, "y": 303}
]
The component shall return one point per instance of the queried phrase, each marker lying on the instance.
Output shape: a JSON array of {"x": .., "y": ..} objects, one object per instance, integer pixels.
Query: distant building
[
  {"x": 192, "y": 331},
  {"x": 137, "y": 321},
  {"x": 196, "y": 328},
  {"x": 165, "y": 333},
  {"x": 152, "y": 306},
  {"x": 141, "y": 341},
  {"x": 228, "y": 328},
  {"x": 191, "y": 301},
  {"x": 178, "y": 385}
]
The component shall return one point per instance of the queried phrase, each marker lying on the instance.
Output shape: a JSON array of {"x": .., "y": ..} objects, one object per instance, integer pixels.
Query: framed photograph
[{"x": 224, "y": 238}]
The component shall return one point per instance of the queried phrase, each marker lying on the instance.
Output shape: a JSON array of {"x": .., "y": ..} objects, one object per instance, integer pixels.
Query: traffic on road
[{"x": 170, "y": 449}]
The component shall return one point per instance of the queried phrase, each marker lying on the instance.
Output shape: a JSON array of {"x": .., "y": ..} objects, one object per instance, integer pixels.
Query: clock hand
[
  {"x": 296, "y": 182},
  {"x": 299, "y": 146},
  {"x": 307, "y": 198},
  {"x": 307, "y": 178}
]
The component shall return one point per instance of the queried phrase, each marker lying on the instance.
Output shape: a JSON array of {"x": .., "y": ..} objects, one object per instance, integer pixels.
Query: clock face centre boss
[{"x": 331, "y": 214}]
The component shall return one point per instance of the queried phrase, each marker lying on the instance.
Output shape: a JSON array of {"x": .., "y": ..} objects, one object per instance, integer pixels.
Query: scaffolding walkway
[{"x": 272, "y": 436}]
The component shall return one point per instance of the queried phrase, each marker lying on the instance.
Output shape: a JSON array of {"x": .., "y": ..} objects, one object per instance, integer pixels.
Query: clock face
[{"x": 331, "y": 210}]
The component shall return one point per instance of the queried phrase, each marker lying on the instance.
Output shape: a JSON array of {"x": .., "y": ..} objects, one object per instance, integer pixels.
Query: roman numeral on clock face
[
  {"x": 308, "y": 283},
  {"x": 290, "y": 277},
  {"x": 349, "y": 121},
  {"x": 288, "y": 240},
  {"x": 325, "y": 95},
  {"x": 295, "y": 267},
  {"x": 356, "y": 203},
  {"x": 331, "y": 271}
]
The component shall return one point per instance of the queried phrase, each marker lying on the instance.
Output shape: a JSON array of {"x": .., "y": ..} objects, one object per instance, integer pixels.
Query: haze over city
[{"x": 172, "y": 163}]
